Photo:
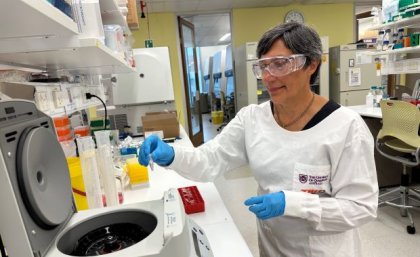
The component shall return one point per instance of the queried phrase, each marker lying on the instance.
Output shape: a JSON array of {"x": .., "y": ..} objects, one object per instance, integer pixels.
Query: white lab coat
[{"x": 327, "y": 173}]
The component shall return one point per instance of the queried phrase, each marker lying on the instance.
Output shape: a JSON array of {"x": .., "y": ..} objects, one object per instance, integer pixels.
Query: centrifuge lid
[{"x": 43, "y": 177}]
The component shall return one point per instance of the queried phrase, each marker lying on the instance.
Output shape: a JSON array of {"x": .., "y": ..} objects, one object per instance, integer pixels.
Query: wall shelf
[
  {"x": 90, "y": 56},
  {"x": 411, "y": 22},
  {"x": 33, "y": 18},
  {"x": 404, "y": 50}
]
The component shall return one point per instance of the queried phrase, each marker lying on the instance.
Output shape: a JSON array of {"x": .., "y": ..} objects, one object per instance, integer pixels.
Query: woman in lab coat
[{"x": 313, "y": 159}]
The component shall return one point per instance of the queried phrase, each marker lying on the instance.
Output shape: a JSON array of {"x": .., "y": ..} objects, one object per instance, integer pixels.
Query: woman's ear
[{"x": 313, "y": 66}]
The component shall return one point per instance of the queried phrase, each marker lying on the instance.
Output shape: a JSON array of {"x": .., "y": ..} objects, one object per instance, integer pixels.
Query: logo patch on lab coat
[
  {"x": 303, "y": 178},
  {"x": 314, "y": 179}
]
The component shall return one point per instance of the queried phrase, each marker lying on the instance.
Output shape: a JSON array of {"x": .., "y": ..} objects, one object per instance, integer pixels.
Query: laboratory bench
[
  {"x": 367, "y": 111},
  {"x": 222, "y": 233}
]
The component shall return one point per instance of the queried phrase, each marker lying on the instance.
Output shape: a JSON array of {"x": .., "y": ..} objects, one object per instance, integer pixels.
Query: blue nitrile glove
[
  {"x": 162, "y": 153},
  {"x": 267, "y": 206}
]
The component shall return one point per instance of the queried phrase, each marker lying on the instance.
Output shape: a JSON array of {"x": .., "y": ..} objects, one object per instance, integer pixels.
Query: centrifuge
[{"x": 38, "y": 215}]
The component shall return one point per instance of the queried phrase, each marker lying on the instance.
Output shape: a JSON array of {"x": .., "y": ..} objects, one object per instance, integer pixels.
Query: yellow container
[
  {"x": 137, "y": 173},
  {"x": 77, "y": 184},
  {"x": 217, "y": 117}
]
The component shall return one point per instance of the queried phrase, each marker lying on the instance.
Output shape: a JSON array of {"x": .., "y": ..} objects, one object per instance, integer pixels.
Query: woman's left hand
[{"x": 267, "y": 206}]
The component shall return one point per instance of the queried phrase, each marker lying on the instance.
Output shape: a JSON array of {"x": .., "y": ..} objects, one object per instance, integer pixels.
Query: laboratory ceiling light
[{"x": 224, "y": 37}]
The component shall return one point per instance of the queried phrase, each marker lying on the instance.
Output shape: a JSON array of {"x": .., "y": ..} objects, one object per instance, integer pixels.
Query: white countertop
[
  {"x": 222, "y": 233},
  {"x": 366, "y": 111}
]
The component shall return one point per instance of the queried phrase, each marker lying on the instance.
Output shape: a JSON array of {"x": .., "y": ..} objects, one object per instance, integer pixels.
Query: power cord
[{"x": 89, "y": 96}]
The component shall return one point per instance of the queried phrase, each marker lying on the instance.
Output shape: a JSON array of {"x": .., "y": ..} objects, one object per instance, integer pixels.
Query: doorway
[
  {"x": 215, "y": 70},
  {"x": 191, "y": 86}
]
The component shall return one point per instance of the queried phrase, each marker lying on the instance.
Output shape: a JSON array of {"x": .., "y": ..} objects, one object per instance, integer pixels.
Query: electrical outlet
[
  {"x": 59, "y": 98},
  {"x": 41, "y": 101},
  {"x": 76, "y": 96}
]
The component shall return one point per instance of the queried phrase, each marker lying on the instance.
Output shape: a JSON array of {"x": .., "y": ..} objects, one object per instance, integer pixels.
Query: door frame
[{"x": 197, "y": 139}]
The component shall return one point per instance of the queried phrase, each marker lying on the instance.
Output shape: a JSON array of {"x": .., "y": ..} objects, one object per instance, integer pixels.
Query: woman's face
[{"x": 290, "y": 87}]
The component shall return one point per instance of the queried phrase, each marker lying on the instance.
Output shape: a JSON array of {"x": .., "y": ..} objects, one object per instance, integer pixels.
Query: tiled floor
[{"x": 384, "y": 237}]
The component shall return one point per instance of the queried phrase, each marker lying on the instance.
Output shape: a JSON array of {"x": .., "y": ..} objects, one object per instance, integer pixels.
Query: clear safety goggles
[{"x": 278, "y": 66}]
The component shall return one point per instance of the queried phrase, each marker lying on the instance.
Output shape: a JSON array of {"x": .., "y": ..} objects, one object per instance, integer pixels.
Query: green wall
[{"x": 333, "y": 20}]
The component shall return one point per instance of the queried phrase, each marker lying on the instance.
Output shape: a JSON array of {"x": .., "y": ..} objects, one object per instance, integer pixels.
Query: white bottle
[
  {"x": 369, "y": 99},
  {"x": 380, "y": 40}
]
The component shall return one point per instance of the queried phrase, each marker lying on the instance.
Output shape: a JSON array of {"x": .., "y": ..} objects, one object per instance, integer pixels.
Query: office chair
[{"x": 399, "y": 140}]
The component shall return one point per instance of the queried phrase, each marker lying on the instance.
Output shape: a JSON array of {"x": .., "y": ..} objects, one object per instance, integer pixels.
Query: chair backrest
[{"x": 400, "y": 120}]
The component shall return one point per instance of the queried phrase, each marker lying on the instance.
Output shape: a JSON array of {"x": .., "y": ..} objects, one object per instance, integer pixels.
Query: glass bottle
[
  {"x": 400, "y": 36},
  {"x": 386, "y": 42},
  {"x": 380, "y": 40}
]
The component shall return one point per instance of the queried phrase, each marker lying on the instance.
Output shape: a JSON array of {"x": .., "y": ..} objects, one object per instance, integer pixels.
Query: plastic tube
[
  {"x": 106, "y": 167},
  {"x": 90, "y": 172}
]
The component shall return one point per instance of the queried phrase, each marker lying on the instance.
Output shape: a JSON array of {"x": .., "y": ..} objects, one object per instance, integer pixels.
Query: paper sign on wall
[
  {"x": 355, "y": 77},
  {"x": 363, "y": 58}
]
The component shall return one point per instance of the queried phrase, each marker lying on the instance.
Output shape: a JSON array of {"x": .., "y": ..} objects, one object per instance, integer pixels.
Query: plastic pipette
[{"x": 151, "y": 162}]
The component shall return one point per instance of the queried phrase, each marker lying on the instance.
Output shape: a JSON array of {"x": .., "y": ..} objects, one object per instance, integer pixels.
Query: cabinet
[
  {"x": 37, "y": 36},
  {"x": 351, "y": 75},
  {"x": 47, "y": 40}
]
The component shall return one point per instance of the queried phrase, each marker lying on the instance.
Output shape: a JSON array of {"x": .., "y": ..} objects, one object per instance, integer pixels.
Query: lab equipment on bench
[
  {"x": 38, "y": 217},
  {"x": 151, "y": 162},
  {"x": 106, "y": 166},
  {"x": 90, "y": 171},
  {"x": 192, "y": 200},
  {"x": 138, "y": 174}
]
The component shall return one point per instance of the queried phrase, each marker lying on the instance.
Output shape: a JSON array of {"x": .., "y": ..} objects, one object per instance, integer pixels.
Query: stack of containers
[
  {"x": 77, "y": 183},
  {"x": 137, "y": 173},
  {"x": 106, "y": 167},
  {"x": 81, "y": 131},
  {"x": 114, "y": 38},
  {"x": 98, "y": 124},
  {"x": 87, "y": 14},
  {"x": 62, "y": 128},
  {"x": 90, "y": 172}
]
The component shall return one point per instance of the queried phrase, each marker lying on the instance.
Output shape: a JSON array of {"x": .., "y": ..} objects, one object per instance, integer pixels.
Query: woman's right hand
[{"x": 160, "y": 152}]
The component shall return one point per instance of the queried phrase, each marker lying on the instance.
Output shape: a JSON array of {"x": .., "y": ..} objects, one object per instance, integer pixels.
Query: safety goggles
[{"x": 278, "y": 66}]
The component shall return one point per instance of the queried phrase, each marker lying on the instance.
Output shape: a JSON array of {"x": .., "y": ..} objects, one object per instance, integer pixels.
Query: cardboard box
[{"x": 161, "y": 121}]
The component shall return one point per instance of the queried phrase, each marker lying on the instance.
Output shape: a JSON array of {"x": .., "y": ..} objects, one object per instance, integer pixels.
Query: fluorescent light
[{"x": 224, "y": 37}]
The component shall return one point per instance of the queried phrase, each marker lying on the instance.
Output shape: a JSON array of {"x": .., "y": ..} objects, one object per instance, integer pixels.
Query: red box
[{"x": 192, "y": 200}]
